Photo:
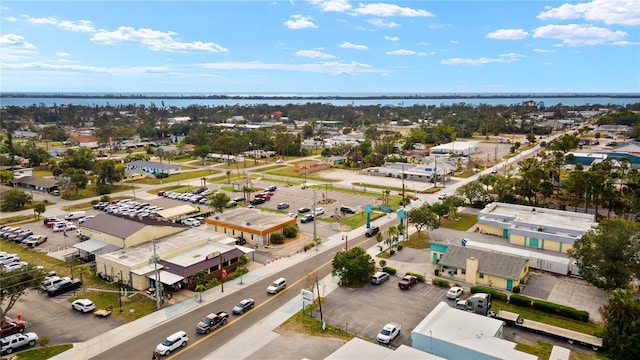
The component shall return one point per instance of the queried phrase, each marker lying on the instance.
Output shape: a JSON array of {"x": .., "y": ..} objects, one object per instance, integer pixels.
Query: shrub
[
  {"x": 564, "y": 311},
  {"x": 440, "y": 282},
  {"x": 93, "y": 202},
  {"x": 399, "y": 247},
  {"x": 212, "y": 283},
  {"x": 383, "y": 263},
  {"x": 277, "y": 239},
  {"x": 420, "y": 277},
  {"x": 244, "y": 259},
  {"x": 495, "y": 294},
  {"x": 290, "y": 231},
  {"x": 102, "y": 189},
  {"x": 520, "y": 300},
  {"x": 391, "y": 252},
  {"x": 308, "y": 246},
  {"x": 105, "y": 198},
  {"x": 516, "y": 290},
  {"x": 162, "y": 175},
  {"x": 389, "y": 270}
]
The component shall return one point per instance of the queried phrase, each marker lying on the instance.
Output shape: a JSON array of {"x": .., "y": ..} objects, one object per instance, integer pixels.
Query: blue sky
[{"x": 338, "y": 46}]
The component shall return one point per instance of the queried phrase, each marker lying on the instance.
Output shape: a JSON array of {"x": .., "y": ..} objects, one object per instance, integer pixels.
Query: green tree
[
  {"x": 424, "y": 217},
  {"x": 353, "y": 267},
  {"x": 608, "y": 256},
  {"x": 441, "y": 209},
  {"x": 109, "y": 172},
  {"x": 82, "y": 158},
  {"x": 78, "y": 178},
  {"x": 14, "y": 284},
  {"x": 472, "y": 191},
  {"x": 39, "y": 209},
  {"x": 201, "y": 151},
  {"x": 6, "y": 176},
  {"x": 622, "y": 325},
  {"x": 219, "y": 201},
  {"x": 15, "y": 200}
]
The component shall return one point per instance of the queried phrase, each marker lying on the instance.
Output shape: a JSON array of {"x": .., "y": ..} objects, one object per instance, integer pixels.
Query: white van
[
  {"x": 277, "y": 285},
  {"x": 75, "y": 215}
]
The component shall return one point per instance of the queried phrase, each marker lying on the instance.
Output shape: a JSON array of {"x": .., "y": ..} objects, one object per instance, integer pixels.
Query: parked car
[
  {"x": 271, "y": 188},
  {"x": 243, "y": 306},
  {"x": 407, "y": 282},
  {"x": 172, "y": 343},
  {"x": 372, "y": 231},
  {"x": 81, "y": 220},
  {"x": 442, "y": 196},
  {"x": 20, "y": 238},
  {"x": 83, "y": 305},
  {"x": 34, "y": 240},
  {"x": 455, "y": 292},
  {"x": 293, "y": 215},
  {"x": 11, "y": 327},
  {"x": 11, "y": 343},
  {"x": 239, "y": 199},
  {"x": 319, "y": 211},
  {"x": 379, "y": 277},
  {"x": 303, "y": 210},
  {"x": 191, "y": 222},
  {"x": 347, "y": 210},
  {"x": 231, "y": 204},
  {"x": 60, "y": 226},
  {"x": 388, "y": 333},
  {"x": 282, "y": 206},
  {"x": 63, "y": 286},
  {"x": 306, "y": 219},
  {"x": 14, "y": 266},
  {"x": 257, "y": 201}
]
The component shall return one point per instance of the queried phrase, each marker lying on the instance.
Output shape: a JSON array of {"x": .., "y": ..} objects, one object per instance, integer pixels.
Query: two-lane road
[{"x": 142, "y": 345}]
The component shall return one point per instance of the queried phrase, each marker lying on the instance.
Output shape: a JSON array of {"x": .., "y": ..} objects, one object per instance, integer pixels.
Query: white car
[
  {"x": 293, "y": 215},
  {"x": 14, "y": 266},
  {"x": 11, "y": 343},
  {"x": 442, "y": 196},
  {"x": 319, "y": 211},
  {"x": 191, "y": 222},
  {"x": 83, "y": 305},
  {"x": 388, "y": 333},
  {"x": 83, "y": 219},
  {"x": 455, "y": 292},
  {"x": 172, "y": 343}
]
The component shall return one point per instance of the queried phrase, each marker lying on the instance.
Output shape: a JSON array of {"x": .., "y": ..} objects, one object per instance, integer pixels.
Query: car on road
[
  {"x": 277, "y": 285},
  {"x": 282, "y": 206},
  {"x": 243, "y": 306},
  {"x": 279, "y": 161},
  {"x": 83, "y": 219},
  {"x": 372, "y": 231},
  {"x": 212, "y": 322},
  {"x": 407, "y": 282},
  {"x": 306, "y": 219},
  {"x": 11, "y": 327},
  {"x": 83, "y": 305},
  {"x": 34, "y": 240},
  {"x": 172, "y": 343},
  {"x": 455, "y": 292},
  {"x": 11, "y": 343},
  {"x": 303, "y": 210},
  {"x": 388, "y": 333}
]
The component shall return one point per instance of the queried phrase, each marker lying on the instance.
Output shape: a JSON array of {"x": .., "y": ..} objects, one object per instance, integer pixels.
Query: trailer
[{"x": 571, "y": 336}]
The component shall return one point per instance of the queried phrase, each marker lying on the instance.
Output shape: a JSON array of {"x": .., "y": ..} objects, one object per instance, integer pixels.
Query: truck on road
[{"x": 212, "y": 322}]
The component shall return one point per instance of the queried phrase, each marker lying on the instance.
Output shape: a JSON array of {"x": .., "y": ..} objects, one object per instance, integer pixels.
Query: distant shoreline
[{"x": 314, "y": 97}]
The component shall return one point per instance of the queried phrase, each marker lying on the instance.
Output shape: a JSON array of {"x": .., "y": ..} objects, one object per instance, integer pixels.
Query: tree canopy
[
  {"x": 14, "y": 284},
  {"x": 609, "y": 256},
  {"x": 353, "y": 267},
  {"x": 622, "y": 325},
  {"x": 219, "y": 201},
  {"x": 424, "y": 217}
]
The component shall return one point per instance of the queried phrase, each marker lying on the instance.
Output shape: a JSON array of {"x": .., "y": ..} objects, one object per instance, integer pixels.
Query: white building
[{"x": 457, "y": 148}]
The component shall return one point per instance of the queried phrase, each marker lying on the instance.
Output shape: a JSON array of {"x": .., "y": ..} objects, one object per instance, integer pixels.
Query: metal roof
[{"x": 491, "y": 263}]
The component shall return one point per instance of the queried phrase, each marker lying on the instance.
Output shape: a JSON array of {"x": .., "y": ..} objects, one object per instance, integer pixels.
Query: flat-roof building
[
  {"x": 535, "y": 227},
  {"x": 457, "y": 148},
  {"x": 252, "y": 224}
]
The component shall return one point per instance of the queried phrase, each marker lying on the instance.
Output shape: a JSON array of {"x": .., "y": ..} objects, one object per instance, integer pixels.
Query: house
[
  {"x": 334, "y": 160},
  {"x": 310, "y": 166},
  {"x": 152, "y": 167},
  {"x": 251, "y": 224},
  {"x": 479, "y": 266},
  {"x": 455, "y": 334},
  {"x": 534, "y": 227},
  {"x": 44, "y": 185}
]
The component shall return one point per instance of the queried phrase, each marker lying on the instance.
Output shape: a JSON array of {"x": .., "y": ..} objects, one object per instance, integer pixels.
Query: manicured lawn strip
[
  {"x": 187, "y": 175},
  {"x": 42, "y": 173},
  {"x": 305, "y": 324},
  {"x": 271, "y": 168},
  {"x": 359, "y": 219},
  {"x": 174, "y": 188},
  {"x": 140, "y": 304},
  {"x": 373, "y": 186},
  {"x": 543, "y": 350},
  {"x": 466, "y": 221},
  {"x": 417, "y": 242},
  {"x": 19, "y": 219},
  {"x": 42, "y": 353},
  {"x": 241, "y": 165},
  {"x": 90, "y": 191},
  {"x": 288, "y": 171}
]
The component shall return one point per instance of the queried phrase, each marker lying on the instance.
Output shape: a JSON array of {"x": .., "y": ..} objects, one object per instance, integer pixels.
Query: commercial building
[
  {"x": 152, "y": 167},
  {"x": 535, "y": 227},
  {"x": 479, "y": 266},
  {"x": 253, "y": 225},
  {"x": 456, "y": 148},
  {"x": 456, "y": 334}
]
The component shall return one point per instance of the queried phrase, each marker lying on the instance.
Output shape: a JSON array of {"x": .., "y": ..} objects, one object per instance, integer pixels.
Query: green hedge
[
  {"x": 389, "y": 270},
  {"x": 564, "y": 311},
  {"x": 420, "y": 277},
  {"x": 520, "y": 300},
  {"x": 277, "y": 239},
  {"x": 440, "y": 282},
  {"x": 495, "y": 294}
]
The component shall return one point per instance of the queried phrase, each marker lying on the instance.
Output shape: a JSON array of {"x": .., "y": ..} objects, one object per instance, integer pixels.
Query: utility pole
[
  {"x": 157, "y": 275},
  {"x": 314, "y": 220}
]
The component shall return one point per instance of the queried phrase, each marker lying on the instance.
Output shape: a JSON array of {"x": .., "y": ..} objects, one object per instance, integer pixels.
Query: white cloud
[
  {"x": 62, "y": 54},
  {"x": 626, "y": 43},
  {"x": 610, "y": 12},
  {"x": 115, "y": 71},
  {"x": 332, "y": 68},
  {"x": 542, "y": 51},
  {"x": 348, "y": 45},
  {"x": 314, "y": 54},
  {"x": 15, "y": 41},
  {"x": 153, "y": 39},
  {"x": 438, "y": 26},
  {"x": 578, "y": 35},
  {"x": 300, "y": 22},
  {"x": 382, "y": 23},
  {"x": 401, "y": 52},
  {"x": 502, "y": 58},
  {"x": 15, "y": 48},
  {"x": 84, "y": 26},
  {"x": 391, "y": 38},
  {"x": 424, "y": 53},
  {"x": 386, "y": 10},
  {"x": 332, "y": 5},
  {"x": 11, "y": 19},
  {"x": 508, "y": 34},
  {"x": 454, "y": 42}
]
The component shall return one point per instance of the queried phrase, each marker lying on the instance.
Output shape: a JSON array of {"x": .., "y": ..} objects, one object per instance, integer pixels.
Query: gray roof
[
  {"x": 37, "y": 181},
  {"x": 151, "y": 164},
  {"x": 491, "y": 263},
  {"x": 119, "y": 227}
]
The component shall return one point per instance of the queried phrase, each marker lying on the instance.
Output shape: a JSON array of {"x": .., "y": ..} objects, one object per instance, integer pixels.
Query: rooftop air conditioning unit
[{"x": 248, "y": 223}]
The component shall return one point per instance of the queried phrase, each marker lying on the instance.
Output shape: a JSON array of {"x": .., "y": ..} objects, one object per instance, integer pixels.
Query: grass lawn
[
  {"x": 31, "y": 205},
  {"x": 42, "y": 173},
  {"x": 140, "y": 304},
  {"x": 359, "y": 219},
  {"x": 460, "y": 222},
  {"x": 301, "y": 322},
  {"x": 187, "y": 175},
  {"x": 90, "y": 191},
  {"x": 270, "y": 168},
  {"x": 174, "y": 188},
  {"x": 543, "y": 350},
  {"x": 417, "y": 241},
  {"x": 288, "y": 171},
  {"x": 19, "y": 219},
  {"x": 398, "y": 189},
  {"x": 41, "y": 353}
]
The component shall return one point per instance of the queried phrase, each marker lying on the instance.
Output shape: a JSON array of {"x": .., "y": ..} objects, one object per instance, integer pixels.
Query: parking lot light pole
[{"x": 315, "y": 240}]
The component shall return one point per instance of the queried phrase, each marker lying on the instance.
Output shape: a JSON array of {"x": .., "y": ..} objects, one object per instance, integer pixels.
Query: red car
[
  {"x": 52, "y": 221},
  {"x": 407, "y": 282},
  {"x": 11, "y": 327}
]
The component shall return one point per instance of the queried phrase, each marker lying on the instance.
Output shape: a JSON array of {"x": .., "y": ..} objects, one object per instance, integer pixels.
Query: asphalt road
[{"x": 142, "y": 346}]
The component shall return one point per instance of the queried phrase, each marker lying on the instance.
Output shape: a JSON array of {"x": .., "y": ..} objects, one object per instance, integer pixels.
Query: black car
[
  {"x": 372, "y": 231},
  {"x": 258, "y": 201},
  {"x": 303, "y": 210},
  {"x": 347, "y": 210},
  {"x": 243, "y": 306},
  {"x": 307, "y": 218}
]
